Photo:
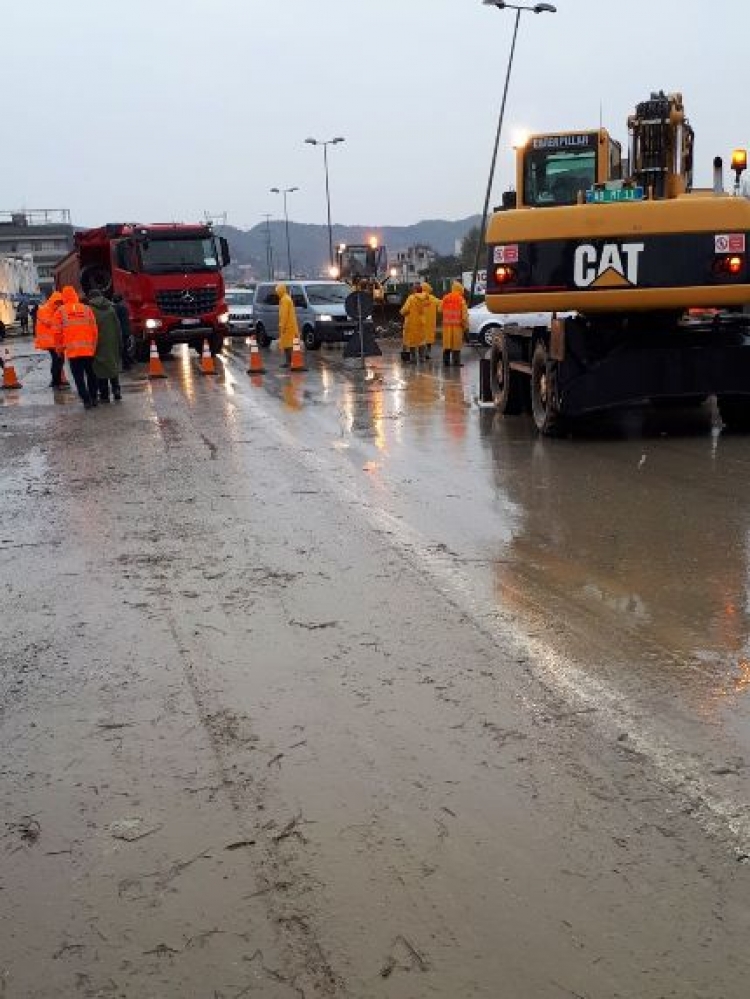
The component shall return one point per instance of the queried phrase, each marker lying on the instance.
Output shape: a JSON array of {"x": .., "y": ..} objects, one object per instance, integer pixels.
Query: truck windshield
[
  {"x": 556, "y": 177},
  {"x": 327, "y": 294},
  {"x": 164, "y": 256}
]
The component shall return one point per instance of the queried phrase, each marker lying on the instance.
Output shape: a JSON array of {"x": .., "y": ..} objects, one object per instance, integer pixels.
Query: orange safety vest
[
  {"x": 47, "y": 336},
  {"x": 453, "y": 309},
  {"x": 79, "y": 332}
]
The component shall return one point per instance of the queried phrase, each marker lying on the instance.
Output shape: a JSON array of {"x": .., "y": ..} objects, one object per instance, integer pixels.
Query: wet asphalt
[{"x": 333, "y": 684}]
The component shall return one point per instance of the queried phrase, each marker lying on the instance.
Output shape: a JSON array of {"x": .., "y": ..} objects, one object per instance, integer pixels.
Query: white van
[
  {"x": 240, "y": 305},
  {"x": 319, "y": 305}
]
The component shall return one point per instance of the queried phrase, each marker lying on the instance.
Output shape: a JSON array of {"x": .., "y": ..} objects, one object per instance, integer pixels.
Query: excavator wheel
[
  {"x": 508, "y": 387},
  {"x": 544, "y": 408}
]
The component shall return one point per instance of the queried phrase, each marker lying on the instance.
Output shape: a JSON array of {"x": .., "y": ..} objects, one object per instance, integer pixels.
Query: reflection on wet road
[{"x": 627, "y": 546}]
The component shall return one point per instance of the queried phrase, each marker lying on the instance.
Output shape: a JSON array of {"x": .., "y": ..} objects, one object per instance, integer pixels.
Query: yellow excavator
[{"x": 645, "y": 277}]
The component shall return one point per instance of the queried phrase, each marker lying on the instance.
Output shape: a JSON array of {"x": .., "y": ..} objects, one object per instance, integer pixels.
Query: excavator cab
[
  {"x": 557, "y": 170},
  {"x": 362, "y": 261}
]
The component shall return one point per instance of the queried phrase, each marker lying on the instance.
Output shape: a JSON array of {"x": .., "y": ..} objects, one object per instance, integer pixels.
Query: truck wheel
[
  {"x": 262, "y": 337},
  {"x": 311, "y": 338},
  {"x": 508, "y": 387},
  {"x": 734, "y": 411},
  {"x": 544, "y": 393}
]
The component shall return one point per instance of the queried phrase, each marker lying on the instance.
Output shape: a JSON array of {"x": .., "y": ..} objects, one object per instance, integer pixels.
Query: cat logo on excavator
[{"x": 613, "y": 265}]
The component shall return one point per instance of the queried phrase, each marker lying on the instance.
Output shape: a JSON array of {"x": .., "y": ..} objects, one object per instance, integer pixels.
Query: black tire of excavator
[
  {"x": 507, "y": 386},
  {"x": 547, "y": 417}
]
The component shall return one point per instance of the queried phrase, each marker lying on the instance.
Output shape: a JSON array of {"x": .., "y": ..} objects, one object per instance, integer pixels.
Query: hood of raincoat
[
  {"x": 55, "y": 298},
  {"x": 98, "y": 302},
  {"x": 69, "y": 295},
  {"x": 457, "y": 287},
  {"x": 281, "y": 290},
  {"x": 427, "y": 288}
]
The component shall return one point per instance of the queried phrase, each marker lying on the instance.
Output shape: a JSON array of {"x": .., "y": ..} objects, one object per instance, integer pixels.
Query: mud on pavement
[{"x": 267, "y": 731}]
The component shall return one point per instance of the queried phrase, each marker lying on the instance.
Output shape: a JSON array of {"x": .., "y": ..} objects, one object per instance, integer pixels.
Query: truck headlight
[
  {"x": 153, "y": 324},
  {"x": 325, "y": 319},
  {"x": 223, "y": 318}
]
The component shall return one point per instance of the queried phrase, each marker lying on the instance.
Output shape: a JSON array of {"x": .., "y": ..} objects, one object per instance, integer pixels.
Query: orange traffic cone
[
  {"x": 10, "y": 378},
  {"x": 207, "y": 362},
  {"x": 155, "y": 367},
  {"x": 256, "y": 360},
  {"x": 298, "y": 358}
]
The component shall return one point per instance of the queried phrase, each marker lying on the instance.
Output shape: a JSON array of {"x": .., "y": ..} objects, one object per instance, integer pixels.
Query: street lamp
[
  {"x": 285, "y": 191},
  {"x": 539, "y": 8},
  {"x": 325, "y": 144}
]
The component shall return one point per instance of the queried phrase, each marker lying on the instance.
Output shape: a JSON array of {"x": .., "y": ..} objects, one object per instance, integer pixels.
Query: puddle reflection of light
[
  {"x": 187, "y": 375},
  {"x": 325, "y": 377},
  {"x": 229, "y": 381}
]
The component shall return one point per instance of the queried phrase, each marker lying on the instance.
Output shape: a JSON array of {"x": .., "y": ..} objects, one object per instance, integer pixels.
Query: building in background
[
  {"x": 410, "y": 264},
  {"x": 18, "y": 279},
  {"x": 44, "y": 233}
]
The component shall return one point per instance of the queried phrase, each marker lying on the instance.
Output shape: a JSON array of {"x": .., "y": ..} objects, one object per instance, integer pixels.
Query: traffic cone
[
  {"x": 155, "y": 367},
  {"x": 10, "y": 378},
  {"x": 298, "y": 358},
  {"x": 207, "y": 362},
  {"x": 256, "y": 359}
]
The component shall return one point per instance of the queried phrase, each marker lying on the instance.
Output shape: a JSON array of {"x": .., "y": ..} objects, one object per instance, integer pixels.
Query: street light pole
[
  {"x": 325, "y": 144},
  {"x": 539, "y": 8},
  {"x": 284, "y": 192}
]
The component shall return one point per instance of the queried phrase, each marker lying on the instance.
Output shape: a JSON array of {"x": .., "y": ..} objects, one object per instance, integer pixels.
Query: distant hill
[{"x": 310, "y": 242}]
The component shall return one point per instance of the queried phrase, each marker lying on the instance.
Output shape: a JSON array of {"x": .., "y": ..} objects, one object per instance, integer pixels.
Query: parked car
[
  {"x": 240, "y": 304},
  {"x": 483, "y": 324},
  {"x": 320, "y": 310}
]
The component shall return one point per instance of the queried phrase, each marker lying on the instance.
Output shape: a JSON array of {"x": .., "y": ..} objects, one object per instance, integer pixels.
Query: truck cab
[{"x": 169, "y": 275}]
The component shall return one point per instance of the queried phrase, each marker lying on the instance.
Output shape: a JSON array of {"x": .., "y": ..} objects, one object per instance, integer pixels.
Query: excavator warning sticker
[
  {"x": 506, "y": 254},
  {"x": 731, "y": 243}
]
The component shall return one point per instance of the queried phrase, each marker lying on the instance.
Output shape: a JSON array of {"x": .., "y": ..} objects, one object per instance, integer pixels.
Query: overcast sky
[{"x": 156, "y": 110}]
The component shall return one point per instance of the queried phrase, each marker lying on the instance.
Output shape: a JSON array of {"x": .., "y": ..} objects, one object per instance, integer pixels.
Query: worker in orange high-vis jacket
[
  {"x": 78, "y": 332},
  {"x": 455, "y": 324},
  {"x": 47, "y": 336}
]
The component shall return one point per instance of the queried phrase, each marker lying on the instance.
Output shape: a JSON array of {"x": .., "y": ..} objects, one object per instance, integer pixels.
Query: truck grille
[{"x": 194, "y": 302}]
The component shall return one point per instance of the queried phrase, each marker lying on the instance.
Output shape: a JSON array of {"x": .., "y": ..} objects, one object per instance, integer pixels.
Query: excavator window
[{"x": 555, "y": 177}]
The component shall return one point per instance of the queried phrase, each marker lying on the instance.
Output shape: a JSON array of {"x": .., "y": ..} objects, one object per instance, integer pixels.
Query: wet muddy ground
[{"x": 330, "y": 686}]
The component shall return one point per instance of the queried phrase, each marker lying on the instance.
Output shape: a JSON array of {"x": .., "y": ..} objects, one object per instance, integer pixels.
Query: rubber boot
[
  {"x": 421, "y": 353},
  {"x": 428, "y": 353},
  {"x": 447, "y": 358},
  {"x": 287, "y": 358},
  {"x": 457, "y": 362},
  {"x": 412, "y": 356}
]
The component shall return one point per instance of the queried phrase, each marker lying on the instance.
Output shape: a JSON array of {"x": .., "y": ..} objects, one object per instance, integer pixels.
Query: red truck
[{"x": 168, "y": 274}]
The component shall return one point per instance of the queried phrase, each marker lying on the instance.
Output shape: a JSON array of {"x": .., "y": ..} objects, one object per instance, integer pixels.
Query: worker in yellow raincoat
[
  {"x": 431, "y": 308},
  {"x": 413, "y": 311},
  {"x": 455, "y": 324},
  {"x": 288, "y": 326}
]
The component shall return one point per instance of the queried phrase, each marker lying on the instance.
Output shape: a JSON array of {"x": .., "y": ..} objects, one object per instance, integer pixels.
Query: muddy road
[{"x": 324, "y": 686}]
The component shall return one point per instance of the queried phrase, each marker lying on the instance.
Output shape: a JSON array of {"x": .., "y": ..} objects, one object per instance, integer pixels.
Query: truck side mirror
[{"x": 226, "y": 258}]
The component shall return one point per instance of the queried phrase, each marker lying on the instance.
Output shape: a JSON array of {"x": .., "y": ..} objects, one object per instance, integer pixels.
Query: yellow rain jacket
[
  {"x": 455, "y": 317},
  {"x": 431, "y": 309},
  {"x": 288, "y": 327},
  {"x": 413, "y": 311}
]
